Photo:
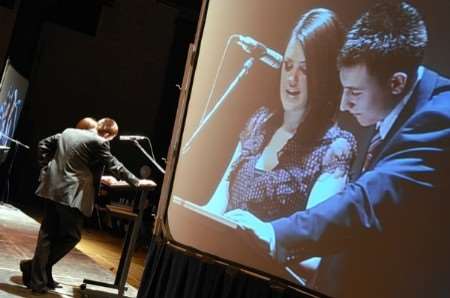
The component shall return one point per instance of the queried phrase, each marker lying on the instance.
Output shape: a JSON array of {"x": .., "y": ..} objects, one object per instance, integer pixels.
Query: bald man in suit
[{"x": 71, "y": 163}]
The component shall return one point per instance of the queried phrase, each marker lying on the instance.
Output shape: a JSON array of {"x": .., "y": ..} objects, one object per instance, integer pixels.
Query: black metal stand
[{"x": 135, "y": 219}]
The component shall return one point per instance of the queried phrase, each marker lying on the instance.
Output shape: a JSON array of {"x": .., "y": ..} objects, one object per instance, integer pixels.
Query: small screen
[{"x": 13, "y": 89}]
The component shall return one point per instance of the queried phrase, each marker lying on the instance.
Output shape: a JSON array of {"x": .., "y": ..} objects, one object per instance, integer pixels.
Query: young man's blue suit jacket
[{"x": 388, "y": 233}]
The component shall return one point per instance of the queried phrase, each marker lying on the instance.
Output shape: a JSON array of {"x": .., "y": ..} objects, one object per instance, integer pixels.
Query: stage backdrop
[{"x": 233, "y": 110}]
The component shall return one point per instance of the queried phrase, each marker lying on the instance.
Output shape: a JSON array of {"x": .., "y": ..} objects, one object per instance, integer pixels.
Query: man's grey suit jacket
[{"x": 72, "y": 163}]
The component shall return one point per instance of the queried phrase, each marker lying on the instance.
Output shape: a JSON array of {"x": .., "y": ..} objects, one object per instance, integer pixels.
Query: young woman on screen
[{"x": 292, "y": 160}]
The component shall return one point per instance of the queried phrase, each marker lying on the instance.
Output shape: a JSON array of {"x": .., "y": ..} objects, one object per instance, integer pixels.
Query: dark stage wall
[
  {"x": 120, "y": 72},
  {"x": 7, "y": 18}
]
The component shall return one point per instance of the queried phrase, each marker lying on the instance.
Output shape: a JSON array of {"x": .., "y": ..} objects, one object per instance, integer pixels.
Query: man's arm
[
  {"x": 114, "y": 166},
  {"x": 47, "y": 149},
  {"x": 412, "y": 170}
]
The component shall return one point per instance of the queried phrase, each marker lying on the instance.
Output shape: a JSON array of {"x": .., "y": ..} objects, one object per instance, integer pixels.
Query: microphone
[
  {"x": 270, "y": 57},
  {"x": 131, "y": 138}
]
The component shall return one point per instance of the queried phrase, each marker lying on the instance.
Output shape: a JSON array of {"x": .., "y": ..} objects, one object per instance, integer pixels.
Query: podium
[{"x": 134, "y": 215}]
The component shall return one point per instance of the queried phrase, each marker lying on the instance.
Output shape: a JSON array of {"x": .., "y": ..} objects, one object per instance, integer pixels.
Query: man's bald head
[
  {"x": 87, "y": 123},
  {"x": 107, "y": 128}
]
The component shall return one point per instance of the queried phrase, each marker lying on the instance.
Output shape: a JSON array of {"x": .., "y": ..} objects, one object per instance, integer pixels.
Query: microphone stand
[
  {"x": 244, "y": 71},
  {"x": 14, "y": 140},
  {"x": 149, "y": 157}
]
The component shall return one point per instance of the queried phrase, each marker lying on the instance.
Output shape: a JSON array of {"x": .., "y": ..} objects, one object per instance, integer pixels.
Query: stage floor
[{"x": 18, "y": 233}]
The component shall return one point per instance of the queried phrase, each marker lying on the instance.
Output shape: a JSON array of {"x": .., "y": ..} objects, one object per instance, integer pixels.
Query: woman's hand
[
  {"x": 247, "y": 221},
  {"x": 338, "y": 152},
  {"x": 335, "y": 174}
]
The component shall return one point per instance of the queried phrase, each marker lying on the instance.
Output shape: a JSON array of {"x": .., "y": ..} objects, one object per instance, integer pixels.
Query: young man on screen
[
  {"x": 72, "y": 163},
  {"x": 386, "y": 234}
]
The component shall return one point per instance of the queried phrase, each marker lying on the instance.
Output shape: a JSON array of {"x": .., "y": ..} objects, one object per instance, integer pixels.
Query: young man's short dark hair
[{"x": 389, "y": 38}]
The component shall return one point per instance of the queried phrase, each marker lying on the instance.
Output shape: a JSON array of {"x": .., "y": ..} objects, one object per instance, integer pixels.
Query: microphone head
[
  {"x": 258, "y": 50},
  {"x": 131, "y": 138}
]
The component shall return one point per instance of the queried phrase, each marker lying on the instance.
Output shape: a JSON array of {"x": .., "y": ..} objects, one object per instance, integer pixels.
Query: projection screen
[{"x": 246, "y": 146}]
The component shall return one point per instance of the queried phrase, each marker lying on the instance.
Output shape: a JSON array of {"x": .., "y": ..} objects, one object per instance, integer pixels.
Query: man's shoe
[
  {"x": 26, "y": 275},
  {"x": 38, "y": 292},
  {"x": 53, "y": 285}
]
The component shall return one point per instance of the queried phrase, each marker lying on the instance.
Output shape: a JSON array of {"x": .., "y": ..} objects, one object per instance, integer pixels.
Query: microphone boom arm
[
  {"x": 135, "y": 142},
  {"x": 244, "y": 71}
]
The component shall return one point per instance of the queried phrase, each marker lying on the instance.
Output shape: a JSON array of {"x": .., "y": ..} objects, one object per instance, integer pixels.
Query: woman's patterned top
[{"x": 284, "y": 189}]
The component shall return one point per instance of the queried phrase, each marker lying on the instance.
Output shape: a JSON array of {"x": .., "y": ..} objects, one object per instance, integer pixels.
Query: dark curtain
[{"x": 175, "y": 272}]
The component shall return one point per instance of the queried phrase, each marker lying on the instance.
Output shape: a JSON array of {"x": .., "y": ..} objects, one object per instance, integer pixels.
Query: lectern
[{"x": 134, "y": 215}]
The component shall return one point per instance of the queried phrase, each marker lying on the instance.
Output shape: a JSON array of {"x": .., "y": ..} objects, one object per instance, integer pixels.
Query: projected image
[
  {"x": 284, "y": 152},
  {"x": 12, "y": 93},
  {"x": 298, "y": 154}
]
